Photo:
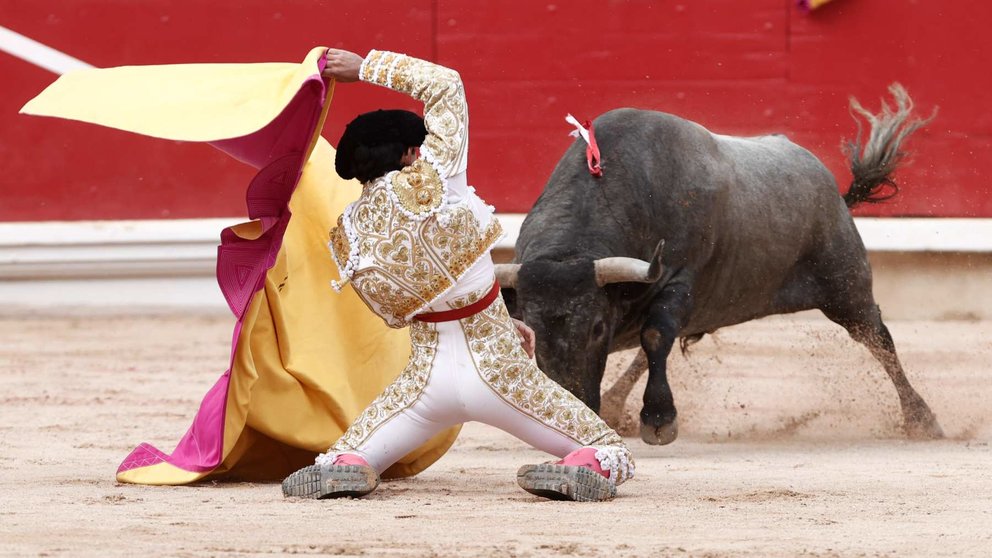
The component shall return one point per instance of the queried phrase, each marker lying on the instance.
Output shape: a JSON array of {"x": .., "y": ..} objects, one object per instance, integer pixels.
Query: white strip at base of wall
[
  {"x": 925, "y": 234},
  {"x": 72, "y": 296},
  {"x": 81, "y": 249},
  {"x": 172, "y": 262}
]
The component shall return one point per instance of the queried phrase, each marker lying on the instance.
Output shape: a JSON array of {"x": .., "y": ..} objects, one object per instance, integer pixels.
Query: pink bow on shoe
[{"x": 584, "y": 457}]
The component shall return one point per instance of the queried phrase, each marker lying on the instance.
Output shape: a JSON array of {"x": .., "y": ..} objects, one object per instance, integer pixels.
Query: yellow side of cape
[{"x": 186, "y": 102}]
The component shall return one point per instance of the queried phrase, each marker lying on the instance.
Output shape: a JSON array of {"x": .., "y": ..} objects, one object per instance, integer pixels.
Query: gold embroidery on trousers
[
  {"x": 504, "y": 366},
  {"x": 400, "y": 395},
  {"x": 502, "y": 363}
]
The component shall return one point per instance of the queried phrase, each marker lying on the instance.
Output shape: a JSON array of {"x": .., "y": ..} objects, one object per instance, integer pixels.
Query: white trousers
[{"x": 474, "y": 369}]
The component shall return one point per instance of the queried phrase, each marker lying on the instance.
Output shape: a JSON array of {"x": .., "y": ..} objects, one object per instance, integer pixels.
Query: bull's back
[
  {"x": 739, "y": 213},
  {"x": 781, "y": 209},
  {"x": 777, "y": 191}
]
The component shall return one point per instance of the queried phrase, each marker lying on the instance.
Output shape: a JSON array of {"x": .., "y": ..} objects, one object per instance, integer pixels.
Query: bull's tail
[{"x": 874, "y": 161}]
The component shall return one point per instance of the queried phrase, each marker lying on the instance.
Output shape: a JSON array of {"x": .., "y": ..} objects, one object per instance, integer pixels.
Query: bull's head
[{"x": 567, "y": 305}]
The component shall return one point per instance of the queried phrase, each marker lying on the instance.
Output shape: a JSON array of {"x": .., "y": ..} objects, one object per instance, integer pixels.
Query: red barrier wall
[{"x": 735, "y": 66}]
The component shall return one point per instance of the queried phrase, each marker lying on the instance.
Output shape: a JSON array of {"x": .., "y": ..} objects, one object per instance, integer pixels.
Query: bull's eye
[{"x": 597, "y": 330}]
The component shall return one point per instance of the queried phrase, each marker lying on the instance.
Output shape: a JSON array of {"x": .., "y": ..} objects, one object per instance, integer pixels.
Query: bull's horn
[
  {"x": 506, "y": 274},
  {"x": 622, "y": 270}
]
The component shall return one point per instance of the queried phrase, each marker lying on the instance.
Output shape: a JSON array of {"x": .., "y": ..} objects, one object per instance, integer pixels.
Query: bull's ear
[{"x": 510, "y": 299}]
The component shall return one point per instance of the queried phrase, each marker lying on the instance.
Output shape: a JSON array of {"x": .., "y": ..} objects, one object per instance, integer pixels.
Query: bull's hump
[
  {"x": 775, "y": 149},
  {"x": 766, "y": 140}
]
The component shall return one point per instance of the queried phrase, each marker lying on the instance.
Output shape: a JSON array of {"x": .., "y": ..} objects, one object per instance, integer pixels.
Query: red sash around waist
[{"x": 463, "y": 312}]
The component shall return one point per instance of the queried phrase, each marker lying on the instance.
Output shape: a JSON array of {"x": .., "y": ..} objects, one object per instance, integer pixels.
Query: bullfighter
[{"x": 416, "y": 248}]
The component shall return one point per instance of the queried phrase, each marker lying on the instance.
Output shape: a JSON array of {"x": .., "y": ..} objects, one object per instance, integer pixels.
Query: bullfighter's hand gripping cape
[{"x": 304, "y": 362}]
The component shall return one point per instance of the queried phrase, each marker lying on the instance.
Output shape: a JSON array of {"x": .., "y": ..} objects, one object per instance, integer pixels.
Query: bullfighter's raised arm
[{"x": 445, "y": 110}]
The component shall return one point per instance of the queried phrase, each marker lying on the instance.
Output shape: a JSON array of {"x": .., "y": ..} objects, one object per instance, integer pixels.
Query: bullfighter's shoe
[
  {"x": 348, "y": 476},
  {"x": 577, "y": 477}
]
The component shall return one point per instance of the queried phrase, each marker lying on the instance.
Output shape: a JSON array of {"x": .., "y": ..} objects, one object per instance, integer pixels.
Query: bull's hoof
[
  {"x": 923, "y": 429},
  {"x": 919, "y": 423},
  {"x": 660, "y": 435}
]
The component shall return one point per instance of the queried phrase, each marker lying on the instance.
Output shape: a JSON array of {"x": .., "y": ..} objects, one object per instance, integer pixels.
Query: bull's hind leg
[
  {"x": 865, "y": 326},
  {"x": 666, "y": 317},
  {"x": 614, "y": 402}
]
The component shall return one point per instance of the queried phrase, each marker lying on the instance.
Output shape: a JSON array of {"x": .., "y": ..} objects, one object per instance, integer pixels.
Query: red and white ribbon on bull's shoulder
[{"x": 585, "y": 131}]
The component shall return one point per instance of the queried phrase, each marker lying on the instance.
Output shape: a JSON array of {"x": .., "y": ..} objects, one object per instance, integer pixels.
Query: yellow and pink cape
[{"x": 304, "y": 360}]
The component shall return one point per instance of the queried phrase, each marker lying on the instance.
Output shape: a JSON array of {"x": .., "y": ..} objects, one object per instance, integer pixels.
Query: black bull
[{"x": 690, "y": 231}]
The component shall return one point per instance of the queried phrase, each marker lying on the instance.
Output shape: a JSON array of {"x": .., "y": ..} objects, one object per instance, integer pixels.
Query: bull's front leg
[{"x": 666, "y": 316}]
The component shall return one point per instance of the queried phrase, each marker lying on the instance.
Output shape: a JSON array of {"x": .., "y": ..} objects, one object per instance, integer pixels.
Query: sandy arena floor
[{"x": 789, "y": 447}]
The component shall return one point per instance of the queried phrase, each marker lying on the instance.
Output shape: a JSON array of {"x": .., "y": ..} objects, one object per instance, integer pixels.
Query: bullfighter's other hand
[
  {"x": 342, "y": 65},
  {"x": 527, "y": 337}
]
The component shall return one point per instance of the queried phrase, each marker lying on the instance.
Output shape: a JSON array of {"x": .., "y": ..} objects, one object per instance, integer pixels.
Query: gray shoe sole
[
  {"x": 334, "y": 481},
  {"x": 565, "y": 482}
]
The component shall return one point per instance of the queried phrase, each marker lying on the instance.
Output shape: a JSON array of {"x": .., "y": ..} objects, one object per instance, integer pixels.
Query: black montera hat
[{"x": 376, "y": 128}]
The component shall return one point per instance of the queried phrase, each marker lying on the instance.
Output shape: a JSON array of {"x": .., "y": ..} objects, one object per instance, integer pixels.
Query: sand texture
[{"x": 790, "y": 446}]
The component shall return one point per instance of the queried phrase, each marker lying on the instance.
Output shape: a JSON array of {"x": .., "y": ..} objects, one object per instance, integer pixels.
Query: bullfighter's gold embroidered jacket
[{"x": 414, "y": 233}]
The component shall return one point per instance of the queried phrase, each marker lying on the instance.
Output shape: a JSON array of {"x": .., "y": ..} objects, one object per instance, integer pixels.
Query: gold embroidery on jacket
[
  {"x": 400, "y": 395},
  {"x": 340, "y": 247},
  {"x": 407, "y": 263},
  {"x": 418, "y": 188}
]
